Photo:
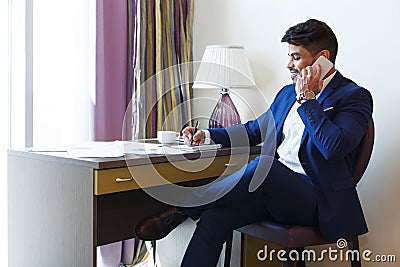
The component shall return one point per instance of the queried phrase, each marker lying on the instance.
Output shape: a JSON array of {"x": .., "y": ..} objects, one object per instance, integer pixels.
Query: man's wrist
[{"x": 305, "y": 95}]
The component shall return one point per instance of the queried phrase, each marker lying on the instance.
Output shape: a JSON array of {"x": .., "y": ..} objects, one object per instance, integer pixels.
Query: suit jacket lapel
[{"x": 330, "y": 88}]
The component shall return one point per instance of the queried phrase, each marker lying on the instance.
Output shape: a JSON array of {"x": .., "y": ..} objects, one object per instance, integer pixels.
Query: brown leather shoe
[{"x": 159, "y": 226}]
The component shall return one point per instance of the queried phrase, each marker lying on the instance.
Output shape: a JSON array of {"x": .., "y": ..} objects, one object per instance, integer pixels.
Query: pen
[{"x": 196, "y": 125}]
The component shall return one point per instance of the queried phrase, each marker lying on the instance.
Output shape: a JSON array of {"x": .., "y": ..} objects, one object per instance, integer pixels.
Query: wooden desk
[{"x": 61, "y": 208}]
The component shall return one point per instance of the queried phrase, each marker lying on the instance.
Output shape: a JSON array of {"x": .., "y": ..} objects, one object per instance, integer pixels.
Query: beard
[{"x": 294, "y": 73}]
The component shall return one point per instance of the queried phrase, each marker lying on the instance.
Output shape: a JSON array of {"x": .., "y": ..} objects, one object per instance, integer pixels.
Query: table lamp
[{"x": 226, "y": 67}]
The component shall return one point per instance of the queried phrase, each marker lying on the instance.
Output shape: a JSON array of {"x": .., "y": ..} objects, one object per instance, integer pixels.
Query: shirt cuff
[{"x": 207, "y": 139}]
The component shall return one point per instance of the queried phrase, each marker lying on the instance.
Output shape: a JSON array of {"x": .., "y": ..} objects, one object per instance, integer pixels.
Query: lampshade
[{"x": 226, "y": 67}]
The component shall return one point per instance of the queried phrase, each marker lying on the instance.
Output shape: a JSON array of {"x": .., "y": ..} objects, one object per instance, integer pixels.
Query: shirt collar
[{"x": 326, "y": 81}]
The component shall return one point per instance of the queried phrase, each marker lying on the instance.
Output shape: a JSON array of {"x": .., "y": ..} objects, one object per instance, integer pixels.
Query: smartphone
[{"x": 325, "y": 64}]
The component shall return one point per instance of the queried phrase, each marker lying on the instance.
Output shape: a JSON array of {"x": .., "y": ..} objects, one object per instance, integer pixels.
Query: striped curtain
[{"x": 160, "y": 46}]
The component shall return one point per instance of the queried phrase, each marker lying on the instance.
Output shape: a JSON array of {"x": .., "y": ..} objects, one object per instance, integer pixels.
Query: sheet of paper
[{"x": 93, "y": 149}]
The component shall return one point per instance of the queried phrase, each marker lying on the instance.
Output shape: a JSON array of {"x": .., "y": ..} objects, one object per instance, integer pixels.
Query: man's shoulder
[
  {"x": 348, "y": 85},
  {"x": 284, "y": 98},
  {"x": 287, "y": 90},
  {"x": 344, "y": 81},
  {"x": 350, "y": 90}
]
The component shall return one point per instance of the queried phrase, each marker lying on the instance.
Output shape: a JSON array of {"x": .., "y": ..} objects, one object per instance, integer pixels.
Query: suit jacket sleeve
[
  {"x": 337, "y": 137},
  {"x": 250, "y": 133}
]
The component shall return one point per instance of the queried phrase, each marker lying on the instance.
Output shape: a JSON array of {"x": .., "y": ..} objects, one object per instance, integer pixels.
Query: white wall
[{"x": 369, "y": 41}]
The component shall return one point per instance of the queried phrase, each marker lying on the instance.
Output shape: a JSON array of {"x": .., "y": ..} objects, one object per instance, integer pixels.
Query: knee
[{"x": 213, "y": 224}]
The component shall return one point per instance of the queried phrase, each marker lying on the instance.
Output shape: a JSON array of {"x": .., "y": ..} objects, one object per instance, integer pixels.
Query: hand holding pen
[{"x": 196, "y": 126}]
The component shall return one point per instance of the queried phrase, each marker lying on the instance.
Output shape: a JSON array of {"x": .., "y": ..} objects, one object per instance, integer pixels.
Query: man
[{"x": 319, "y": 125}]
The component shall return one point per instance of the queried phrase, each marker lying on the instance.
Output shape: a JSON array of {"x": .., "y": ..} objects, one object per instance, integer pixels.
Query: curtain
[
  {"x": 143, "y": 75},
  {"x": 160, "y": 71},
  {"x": 111, "y": 69}
]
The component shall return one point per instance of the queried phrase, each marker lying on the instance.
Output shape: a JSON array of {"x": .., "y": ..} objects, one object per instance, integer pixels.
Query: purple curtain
[{"x": 111, "y": 69}]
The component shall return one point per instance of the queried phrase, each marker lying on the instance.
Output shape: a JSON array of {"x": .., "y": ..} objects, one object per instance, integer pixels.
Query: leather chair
[{"x": 297, "y": 237}]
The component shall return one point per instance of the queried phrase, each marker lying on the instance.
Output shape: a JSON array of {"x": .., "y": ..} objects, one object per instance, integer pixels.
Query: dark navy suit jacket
[{"x": 334, "y": 126}]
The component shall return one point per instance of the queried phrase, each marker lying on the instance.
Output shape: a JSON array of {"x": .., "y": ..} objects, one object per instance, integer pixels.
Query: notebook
[{"x": 197, "y": 148}]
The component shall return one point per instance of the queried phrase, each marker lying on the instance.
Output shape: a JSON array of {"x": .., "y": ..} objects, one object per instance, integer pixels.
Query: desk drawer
[{"x": 121, "y": 179}]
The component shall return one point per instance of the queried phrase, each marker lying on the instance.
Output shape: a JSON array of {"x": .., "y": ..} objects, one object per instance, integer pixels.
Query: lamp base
[{"x": 225, "y": 113}]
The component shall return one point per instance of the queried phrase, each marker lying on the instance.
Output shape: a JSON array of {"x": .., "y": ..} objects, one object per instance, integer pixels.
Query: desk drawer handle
[
  {"x": 230, "y": 164},
  {"x": 120, "y": 180}
]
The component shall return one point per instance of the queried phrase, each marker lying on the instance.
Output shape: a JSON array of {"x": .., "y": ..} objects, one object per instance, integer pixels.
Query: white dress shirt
[{"x": 292, "y": 132}]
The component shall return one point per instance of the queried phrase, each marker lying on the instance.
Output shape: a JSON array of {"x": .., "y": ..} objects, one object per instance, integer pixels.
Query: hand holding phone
[{"x": 325, "y": 64}]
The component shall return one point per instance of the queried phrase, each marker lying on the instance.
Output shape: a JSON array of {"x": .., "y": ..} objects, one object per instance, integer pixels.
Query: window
[
  {"x": 51, "y": 76},
  {"x": 52, "y": 83},
  {"x": 3, "y": 129}
]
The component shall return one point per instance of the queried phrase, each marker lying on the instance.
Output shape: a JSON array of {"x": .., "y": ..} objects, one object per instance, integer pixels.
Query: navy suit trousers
[{"x": 284, "y": 196}]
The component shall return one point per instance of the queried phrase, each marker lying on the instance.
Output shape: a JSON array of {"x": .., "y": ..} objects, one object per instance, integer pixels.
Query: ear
[{"x": 326, "y": 53}]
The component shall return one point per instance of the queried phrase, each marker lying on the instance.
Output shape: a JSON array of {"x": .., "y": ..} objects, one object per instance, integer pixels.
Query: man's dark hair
[{"x": 313, "y": 35}]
